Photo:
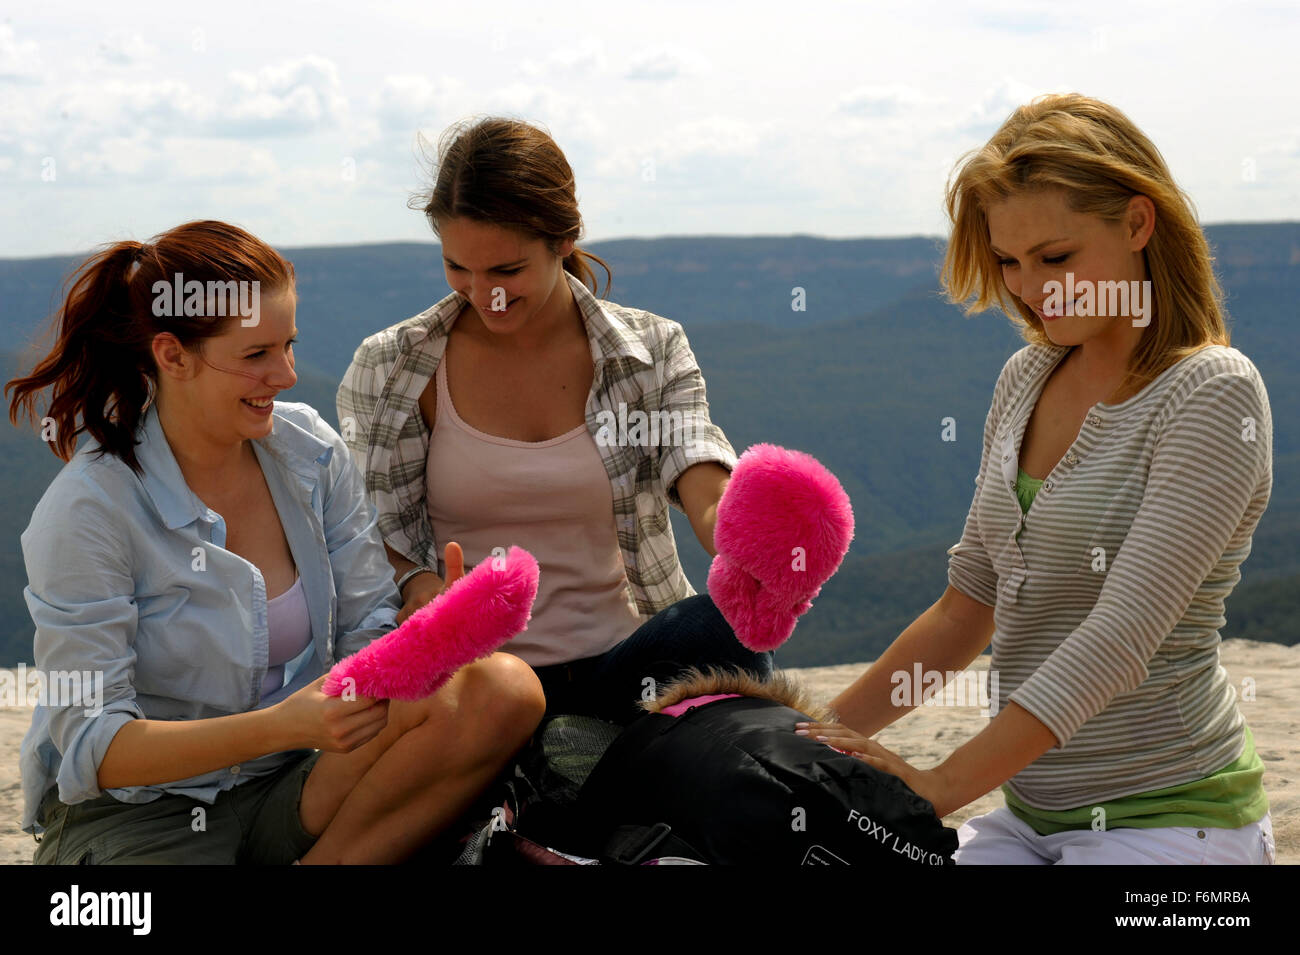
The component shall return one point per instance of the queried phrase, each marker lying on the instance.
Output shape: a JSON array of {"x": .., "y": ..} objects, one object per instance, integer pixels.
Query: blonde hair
[{"x": 1101, "y": 160}]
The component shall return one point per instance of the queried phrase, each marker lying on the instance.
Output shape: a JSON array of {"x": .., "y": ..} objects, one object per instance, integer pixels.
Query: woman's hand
[
  {"x": 311, "y": 720},
  {"x": 929, "y": 784},
  {"x": 422, "y": 588}
]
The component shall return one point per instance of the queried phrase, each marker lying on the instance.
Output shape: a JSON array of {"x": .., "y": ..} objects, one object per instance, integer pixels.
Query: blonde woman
[{"x": 1127, "y": 460}]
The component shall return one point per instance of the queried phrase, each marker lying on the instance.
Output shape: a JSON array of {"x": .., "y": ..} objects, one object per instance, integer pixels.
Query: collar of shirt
[
  {"x": 292, "y": 460},
  {"x": 300, "y": 451},
  {"x": 610, "y": 338}
]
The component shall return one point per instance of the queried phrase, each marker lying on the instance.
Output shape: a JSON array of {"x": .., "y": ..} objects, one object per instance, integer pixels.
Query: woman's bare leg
[{"x": 380, "y": 803}]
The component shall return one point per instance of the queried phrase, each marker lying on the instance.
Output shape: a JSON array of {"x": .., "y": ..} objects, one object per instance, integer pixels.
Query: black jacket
[{"x": 729, "y": 782}]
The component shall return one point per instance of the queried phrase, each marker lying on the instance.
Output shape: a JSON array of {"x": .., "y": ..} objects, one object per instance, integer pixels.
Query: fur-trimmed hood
[{"x": 779, "y": 687}]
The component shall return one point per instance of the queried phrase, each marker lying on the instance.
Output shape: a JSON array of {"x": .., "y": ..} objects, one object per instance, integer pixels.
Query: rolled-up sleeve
[
  {"x": 1209, "y": 481},
  {"x": 368, "y": 600},
  {"x": 682, "y": 398},
  {"x": 81, "y": 596},
  {"x": 355, "y": 403}
]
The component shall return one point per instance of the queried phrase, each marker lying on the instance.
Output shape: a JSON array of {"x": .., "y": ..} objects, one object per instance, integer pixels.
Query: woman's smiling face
[
  {"x": 1038, "y": 239},
  {"x": 237, "y": 374},
  {"x": 494, "y": 266}
]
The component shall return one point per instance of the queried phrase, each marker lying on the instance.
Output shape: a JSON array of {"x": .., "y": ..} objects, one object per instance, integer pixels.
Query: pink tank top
[
  {"x": 551, "y": 498},
  {"x": 289, "y": 631}
]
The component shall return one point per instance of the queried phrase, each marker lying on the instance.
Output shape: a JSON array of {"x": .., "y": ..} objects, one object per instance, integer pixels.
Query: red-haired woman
[
  {"x": 207, "y": 556},
  {"x": 520, "y": 409}
]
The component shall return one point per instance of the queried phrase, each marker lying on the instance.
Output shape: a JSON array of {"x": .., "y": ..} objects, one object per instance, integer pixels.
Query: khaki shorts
[{"x": 255, "y": 823}]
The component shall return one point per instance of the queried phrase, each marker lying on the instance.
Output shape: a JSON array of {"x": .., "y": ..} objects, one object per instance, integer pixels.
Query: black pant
[{"x": 690, "y": 633}]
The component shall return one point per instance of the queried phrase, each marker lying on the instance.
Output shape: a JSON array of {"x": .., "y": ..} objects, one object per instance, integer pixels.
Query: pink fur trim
[
  {"x": 776, "y": 501},
  {"x": 677, "y": 709},
  {"x": 466, "y": 622}
]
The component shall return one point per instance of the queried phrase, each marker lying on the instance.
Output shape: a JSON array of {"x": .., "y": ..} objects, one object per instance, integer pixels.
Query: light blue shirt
[{"x": 128, "y": 577}]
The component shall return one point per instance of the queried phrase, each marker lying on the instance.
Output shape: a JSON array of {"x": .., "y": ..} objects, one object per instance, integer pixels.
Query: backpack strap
[{"x": 633, "y": 844}]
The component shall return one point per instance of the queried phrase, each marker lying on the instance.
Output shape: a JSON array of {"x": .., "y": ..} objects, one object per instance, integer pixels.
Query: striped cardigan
[{"x": 1109, "y": 592}]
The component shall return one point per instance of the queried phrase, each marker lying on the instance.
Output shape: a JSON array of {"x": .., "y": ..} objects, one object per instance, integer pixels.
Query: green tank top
[{"x": 1227, "y": 799}]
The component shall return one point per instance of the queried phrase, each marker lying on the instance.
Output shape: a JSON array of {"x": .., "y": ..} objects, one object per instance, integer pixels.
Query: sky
[{"x": 304, "y": 122}]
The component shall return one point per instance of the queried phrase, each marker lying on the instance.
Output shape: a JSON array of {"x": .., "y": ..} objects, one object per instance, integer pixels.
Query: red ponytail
[{"x": 101, "y": 368}]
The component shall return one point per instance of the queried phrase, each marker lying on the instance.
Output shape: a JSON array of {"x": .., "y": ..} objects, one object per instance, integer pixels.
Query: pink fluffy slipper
[
  {"x": 784, "y": 525},
  {"x": 467, "y": 621}
]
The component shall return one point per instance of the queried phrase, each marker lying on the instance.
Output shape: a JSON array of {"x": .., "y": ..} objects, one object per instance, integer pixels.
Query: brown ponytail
[
  {"x": 510, "y": 173},
  {"x": 101, "y": 367}
]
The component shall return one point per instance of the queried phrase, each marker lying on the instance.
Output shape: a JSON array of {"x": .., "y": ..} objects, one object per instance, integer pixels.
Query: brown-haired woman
[
  {"x": 1127, "y": 461},
  {"x": 520, "y": 409},
  {"x": 206, "y": 558}
]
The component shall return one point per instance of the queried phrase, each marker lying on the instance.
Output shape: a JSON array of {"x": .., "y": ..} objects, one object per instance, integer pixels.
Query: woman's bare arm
[
  {"x": 422, "y": 588},
  {"x": 1010, "y": 742},
  {"x": 946, "y": 637},
  {"x": 152, "y": 752},
  {"x": 701, "y": 487}
]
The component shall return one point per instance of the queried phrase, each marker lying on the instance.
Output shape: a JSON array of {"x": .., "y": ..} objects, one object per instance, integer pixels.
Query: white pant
[{"x": 1001, "y": 838}]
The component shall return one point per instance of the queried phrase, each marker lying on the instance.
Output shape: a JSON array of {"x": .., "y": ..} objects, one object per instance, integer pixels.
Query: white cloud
[
  {"x": 711, "y": 136},
  {"x": 114, "y": 105},
  {"x": 750, "y": 120},
  {"x": 409, "y": 101},
  {"x": 183, "y": 160},
  {"x": 201, "y": 159},
  {"x": 715, "y": 136},
  {"x": 881, "y": 101},
  {"x": 997, "y": 103},
  {"x": 19, "y": 59},
  {"x": 127, "y": 157},
  {"x": 715, "y": 160},
  {"x": 123, "y": 48},
  {"x": 665, "y": 63},
  {"x": 585, "y": 59},
  {"x": 567, "y": 116},
  {"x": 1283, "y": 143},
  {"x": 291, "y": 97},
  {"x": 1022, "y": 17}
]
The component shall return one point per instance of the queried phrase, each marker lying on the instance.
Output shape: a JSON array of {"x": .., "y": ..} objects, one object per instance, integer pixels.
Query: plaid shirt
[{"x": 643, "y": 363}]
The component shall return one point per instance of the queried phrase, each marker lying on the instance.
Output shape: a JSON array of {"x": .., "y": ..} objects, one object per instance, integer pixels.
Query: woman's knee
[
  {"x": 998, "y": 838},
  {"x": 503, "y": 695},
  {"x": 498, "y": 698}
]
